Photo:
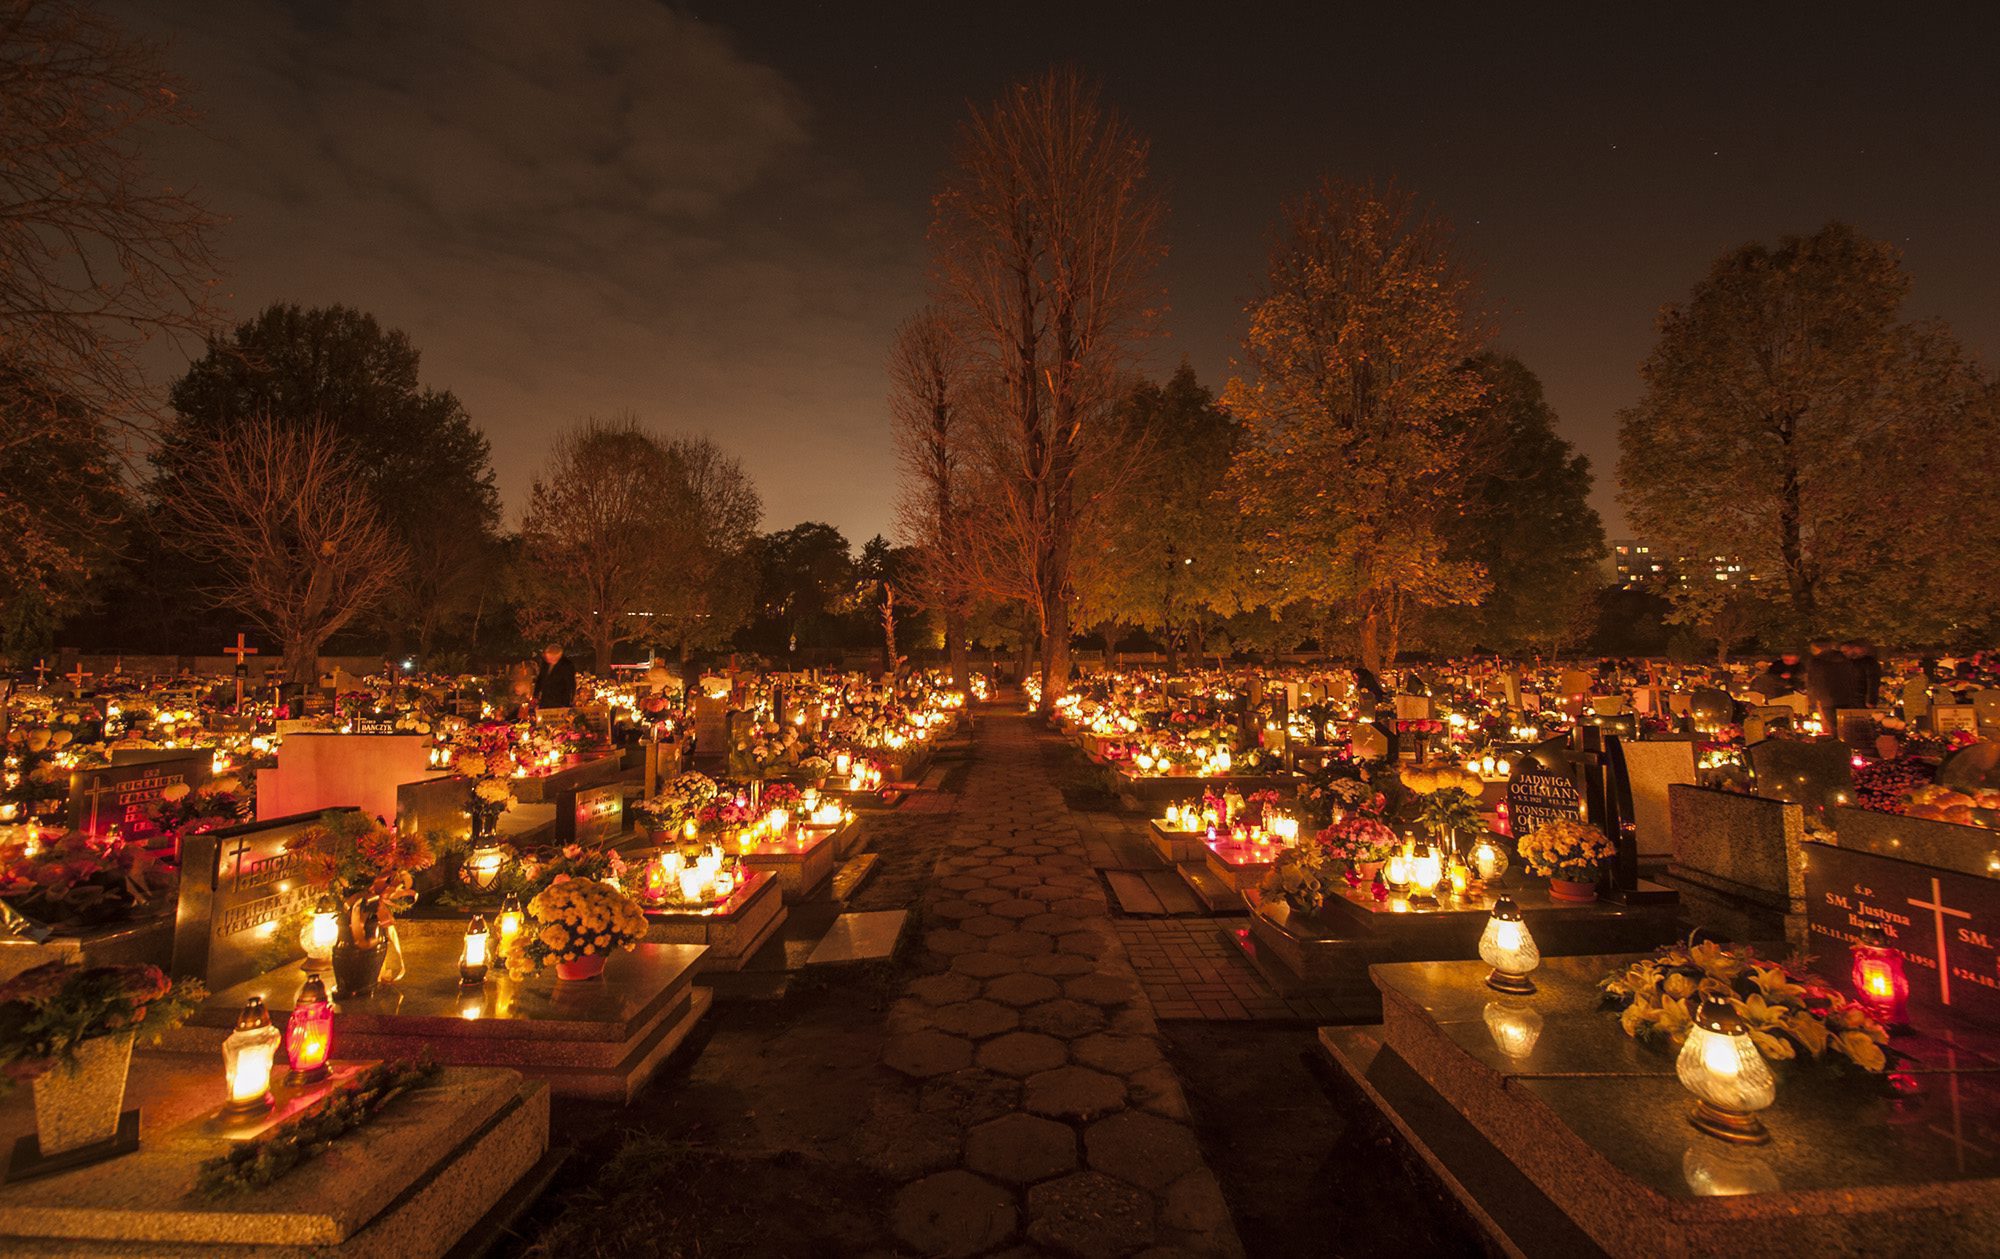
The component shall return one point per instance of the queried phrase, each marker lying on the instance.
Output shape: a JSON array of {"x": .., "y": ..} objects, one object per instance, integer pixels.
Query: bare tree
[
  {"x": 630, "y": 537},
  {"x": 597, "y": 528},
  {"x": 928, "y": 378},
  {"x": 96, "y": 258},
  {"x": 294, "y": 536},
  {"x": 1045, "y": 243}
]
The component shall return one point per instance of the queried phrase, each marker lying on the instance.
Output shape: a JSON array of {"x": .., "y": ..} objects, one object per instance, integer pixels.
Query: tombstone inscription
[
  {"x": 121, "y": 795},
  {"x": 239, "y": 886}
]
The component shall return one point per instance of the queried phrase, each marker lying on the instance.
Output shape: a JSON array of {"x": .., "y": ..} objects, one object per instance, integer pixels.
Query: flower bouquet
[
  {"x": 575, "y": 923},
  {"x": 1568, "y": 852},
  {"x": 1362, "y": 842},
  {"x": 369, "y": 869},
  {"x": 183, "y": 810},
  {"x": 1785, "y": 1013},
  {"x": 75, "y": 881},
  {"x": 486, "y": 802},
  {"x": 1300, "y": 876},
  {"x": 678, "y": 804}
]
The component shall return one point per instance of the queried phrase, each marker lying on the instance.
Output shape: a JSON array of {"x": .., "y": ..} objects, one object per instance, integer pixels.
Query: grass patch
[{"x": 664, "y": 1196}]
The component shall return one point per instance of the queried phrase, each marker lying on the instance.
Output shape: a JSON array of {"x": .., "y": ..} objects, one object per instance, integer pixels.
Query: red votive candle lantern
[
  {"x": 309, "y": 1032},
  {"x": 1879, "y": 982}
]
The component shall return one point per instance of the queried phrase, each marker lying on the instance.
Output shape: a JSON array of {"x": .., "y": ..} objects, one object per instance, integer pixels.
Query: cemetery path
[{"x": 1030, "y": 1036}]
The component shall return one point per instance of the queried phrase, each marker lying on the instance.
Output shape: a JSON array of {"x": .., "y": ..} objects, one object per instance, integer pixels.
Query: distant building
[{"x": 1636, "y": 566}]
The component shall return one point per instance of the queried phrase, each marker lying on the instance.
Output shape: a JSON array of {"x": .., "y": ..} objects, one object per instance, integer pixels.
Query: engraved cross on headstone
[{"x": 1939, "y": 911}]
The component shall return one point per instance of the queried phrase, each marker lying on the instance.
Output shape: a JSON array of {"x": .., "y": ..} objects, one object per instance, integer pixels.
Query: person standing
[
  {"x": 1832, "y": 681},
  {"x": 555, "y": 679},
  {"x": 1867, "y": 670}
]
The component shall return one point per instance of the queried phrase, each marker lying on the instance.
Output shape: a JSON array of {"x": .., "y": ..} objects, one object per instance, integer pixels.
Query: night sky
[{"x": 712, "y": 214}]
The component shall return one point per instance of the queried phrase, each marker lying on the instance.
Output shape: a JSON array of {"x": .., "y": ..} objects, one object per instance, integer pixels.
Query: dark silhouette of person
[{"x": 555, "y": 679}]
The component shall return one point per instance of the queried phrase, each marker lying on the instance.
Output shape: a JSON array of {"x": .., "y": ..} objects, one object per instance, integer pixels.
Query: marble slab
[
  {"x": 1176, "y": 847},
  {"x": 409, "y": 1184},
  {"x": 860, "y": 937},
  {"x": 1598, "y": 1122},
  {"x": 600, "y": 1038},
  {"x": 802, "y": 861},
  {"x": 733, "y": 930}
]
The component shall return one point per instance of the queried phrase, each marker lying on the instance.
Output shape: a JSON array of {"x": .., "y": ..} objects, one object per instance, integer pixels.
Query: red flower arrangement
[{"x": 76, "y": 881}]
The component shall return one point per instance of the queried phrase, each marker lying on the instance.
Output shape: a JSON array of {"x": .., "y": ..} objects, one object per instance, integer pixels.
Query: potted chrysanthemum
[{"x": 576, "y": 923}]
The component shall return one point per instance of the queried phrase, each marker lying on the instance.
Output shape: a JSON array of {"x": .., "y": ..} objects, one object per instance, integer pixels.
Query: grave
[
  {"x": 1738, "y": 864},
  {"x": 329, "y": 771},
  {"x": 1328, "y": 954},
  {"x": 1176, "y": 847},
  {"x": 146, "y": 941},
  {"x": 592, "y": 769},
  {"x": 733, "y": 930},
  {"x": 601, "y": 1039},
  {"x": 1152, "y": 793},
  {"x": 407, "y": 1186},
  {"x": 802, "y": 860},
  {"x": 1561, "y": 1135},
  {"x": 238, "y": 887},
  {"x": 1816, "y": 773},
  {"x": 1652, "y": 767},
  {"x": 590, "y": 816},
  {"x": 121, "y": 795}
]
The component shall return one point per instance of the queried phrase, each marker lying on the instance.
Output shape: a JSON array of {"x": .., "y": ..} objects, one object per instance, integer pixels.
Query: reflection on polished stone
[
  {"x": 1515, "y": 1026},
  {"x": 1716, "y": 1170}
]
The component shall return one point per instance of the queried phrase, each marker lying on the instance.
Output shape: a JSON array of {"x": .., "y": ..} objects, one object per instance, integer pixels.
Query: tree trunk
[
  {"x": 302, "y": 659},
  {"x": 1055, "y": 654},
  {"x": 600, "y": 647},
  {"x": 955, "y": 646},
  {"x": 1371, "y": 644},
  {"x": 1791, "y": 545},
  {"x": 889, "y": 630}
]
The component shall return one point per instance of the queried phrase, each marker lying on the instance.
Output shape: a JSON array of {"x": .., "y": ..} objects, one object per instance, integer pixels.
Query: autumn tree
[
  {"x": 710, "y": 577},
  {"x": 1045, "y": 243},
  {"x": 1793, "y": 418},
  {"x": 1351, "y": 461},
  {"x": 283, "y": 520},
  {"x": 98, "y": 257},
  {"x": 1526, "y": 519},
  {"x": 632, "y": 537},
  {"x": 418, "y": 453},
  {"x": 1167, "y": 556},
  {"x": 929, "y": 378}
]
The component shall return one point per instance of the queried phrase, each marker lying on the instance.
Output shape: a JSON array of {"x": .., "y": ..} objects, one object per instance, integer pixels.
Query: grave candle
[
  {"x": 1396, "y": 871},
  {"x": 1506, "y": 946},
  {"x": 1728, "y": 1077},
  {"x": 1489, "y": 860},
  {"x": 482, "y": 868},
  {"x": 322, "y": 932},
  {"x": 1879, "y": 982},
  {"x": 309, "y": 1032},
  {"x": 1426, "y": 872},
  {"x": 246, "y": 1059},
  {"x": 472, "y": 959},
  {"x": 509, "y": 920}
]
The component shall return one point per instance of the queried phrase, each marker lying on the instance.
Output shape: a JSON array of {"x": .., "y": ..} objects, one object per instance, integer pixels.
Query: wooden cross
[
  {"x": 1938, "y": 912},
  {"x": 78, "y": 674},
  {"x": 240, "y": 650},
  {"x": 42, "y": 672}
]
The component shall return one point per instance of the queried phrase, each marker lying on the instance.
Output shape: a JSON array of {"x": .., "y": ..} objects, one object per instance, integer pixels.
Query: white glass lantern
[
  {"x": 1489, "y": 860},
  {"x": 1426, "y": 872},
  {"x": 1507, "y": 947},
  {"x": 247, "y": 1055},
  {"x": 320, "y": 934},
  {"x": 472, "y": 959},
  {"x": 1730, "y": 1080}
]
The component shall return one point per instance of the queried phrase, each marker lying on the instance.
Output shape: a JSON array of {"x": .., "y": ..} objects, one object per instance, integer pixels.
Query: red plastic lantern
[
  {"x": 309, "y": 1032},
  {"x": 1879, "y": 982}
]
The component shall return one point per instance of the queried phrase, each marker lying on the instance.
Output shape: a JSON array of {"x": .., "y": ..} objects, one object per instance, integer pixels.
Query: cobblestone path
[{"x": 1034, "y": 1048}]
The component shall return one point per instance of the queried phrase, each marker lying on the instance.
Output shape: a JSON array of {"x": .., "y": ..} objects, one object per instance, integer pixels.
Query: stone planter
[{"x": 79, "y": 1104}]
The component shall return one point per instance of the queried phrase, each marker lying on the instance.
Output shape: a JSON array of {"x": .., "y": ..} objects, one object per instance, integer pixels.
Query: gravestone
[
  {"x": 1814, "y": 774},
  {"x": 122, "y": 794},
  {"x": 239, "y": 889},
  {"x": 323, "y": 770},
  {"x": 1652, "y": 767},
  {"x": 1761, "y": 721},
  {"x": 1916, "y": 699},
  {"x": 711, "y": 724},
  {"x": 1856, "y": 726},
  {"x": 1541, "y": 790},
  {"x": 591, "y": 816},
  {"x": 1946, "y": 925},
  {"x": 1986, "y": 704},
  {"x": 1737, "y": 863},
  {"x": 373, "y": 723},
  {"x": 1953, "y": 718},
  {"x": 1413, "y": 707},
  {"x": 1711, "y": 709},
  {"x": 434, "y": 806}
]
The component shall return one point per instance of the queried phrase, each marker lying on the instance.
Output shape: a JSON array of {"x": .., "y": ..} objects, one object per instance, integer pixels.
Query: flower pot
[
  {"x": 1366, "y": 870},
  {"x": 358, "y": 967},
  {"x": 79, "y": 1104},
  {"x": 1572, "y": 891},
  {"x": 589, "y": 966}
]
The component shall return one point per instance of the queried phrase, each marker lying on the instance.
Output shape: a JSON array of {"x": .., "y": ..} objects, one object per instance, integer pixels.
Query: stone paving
[
  {"x": 1034, "y": 1047},
  {"x": 1190, "y": 969}
]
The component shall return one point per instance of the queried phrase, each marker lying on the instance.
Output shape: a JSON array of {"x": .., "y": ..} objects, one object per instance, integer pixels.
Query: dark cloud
[{"x": 571, "y": 208}]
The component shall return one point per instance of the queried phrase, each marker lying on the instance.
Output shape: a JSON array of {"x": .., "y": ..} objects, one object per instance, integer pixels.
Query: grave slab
[
  {"x": 733, "y": 931},
  {"x": 409, "y": 1184},
  {"x": 860, "y": 937},
  {"x": 1597, "y": 1124},
  {"x": 802, "y": 861},
  {"x": 601, "y": 1038}
]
